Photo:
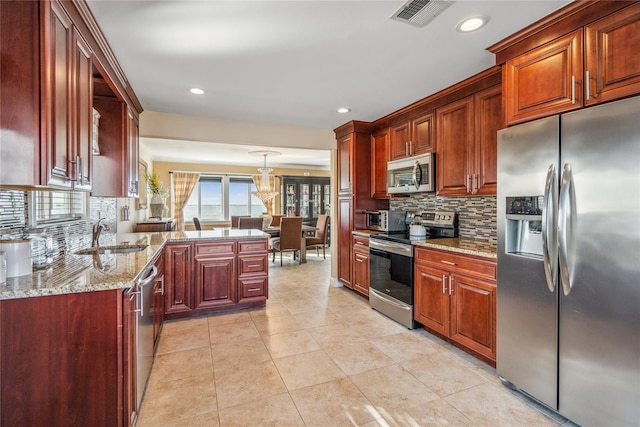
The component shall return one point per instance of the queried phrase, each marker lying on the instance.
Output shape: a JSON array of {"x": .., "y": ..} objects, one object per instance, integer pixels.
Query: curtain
[{"x": 182, "y": 185}]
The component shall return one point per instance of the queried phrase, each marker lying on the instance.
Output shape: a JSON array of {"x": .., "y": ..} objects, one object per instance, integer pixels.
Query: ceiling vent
[{"x": 420, "y": 12}]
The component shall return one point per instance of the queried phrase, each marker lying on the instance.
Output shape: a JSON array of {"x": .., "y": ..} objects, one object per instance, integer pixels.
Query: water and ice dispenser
[{"x": 523, "y": 232}]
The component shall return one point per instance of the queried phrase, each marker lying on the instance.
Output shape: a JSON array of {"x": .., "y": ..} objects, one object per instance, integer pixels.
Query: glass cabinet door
[
  {"x": 326, "y": 208},
  {"x": 291, "y": 201},
  {"x": 316, "y": 200},
  {"x": 304, "y": 201}
]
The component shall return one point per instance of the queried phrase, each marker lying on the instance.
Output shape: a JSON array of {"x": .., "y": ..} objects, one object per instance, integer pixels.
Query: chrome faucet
[{"x": 98, "y": 227}]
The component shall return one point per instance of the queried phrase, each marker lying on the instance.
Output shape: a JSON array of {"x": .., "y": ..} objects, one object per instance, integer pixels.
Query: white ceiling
[{"x": 295, "y": 62}]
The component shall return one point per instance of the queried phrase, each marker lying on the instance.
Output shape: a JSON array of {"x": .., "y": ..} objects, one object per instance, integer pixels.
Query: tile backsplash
[{"x": 477, "y": 215}]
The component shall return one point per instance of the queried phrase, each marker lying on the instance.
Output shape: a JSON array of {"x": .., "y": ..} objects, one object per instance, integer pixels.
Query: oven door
[{"x": 391, "y": 270}]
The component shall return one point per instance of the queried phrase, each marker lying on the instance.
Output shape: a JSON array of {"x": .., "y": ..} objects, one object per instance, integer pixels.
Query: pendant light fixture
[{"x": 265, "y": 183}]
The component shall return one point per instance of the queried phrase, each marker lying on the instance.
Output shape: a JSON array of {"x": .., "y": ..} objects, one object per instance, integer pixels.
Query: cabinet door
[
  {"x": 432, "y": 298},
  {"x": 454, "y": 142},
  {"x": 344, "y": 165},
  {"x": 473, "y": 321},
  {"x": 361, "y": 272},
  {"x": 57, "y": 87},
  {"x": 83, "y": 112},
  {"x": 379, "y": 157},
  {"x": 400, "y": 136},
  {"x": 423, "y": 134},
  {"x": 344, "y": 240},
  {"x": 488, "y": 120},
  {"x": 157, "y": 306},
  {"x": 611, "y": 56},
  {"x": 177, "y": 278},
  {"x": 215, "y": 283},
  {"x": 544, "y": 81}
]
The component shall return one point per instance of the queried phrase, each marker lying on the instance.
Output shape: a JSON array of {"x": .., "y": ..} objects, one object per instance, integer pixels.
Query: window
[{"x": 217, "y": 198}]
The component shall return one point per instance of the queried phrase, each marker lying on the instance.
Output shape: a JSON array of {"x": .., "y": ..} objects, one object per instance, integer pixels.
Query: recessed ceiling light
[
  {"x": 471, "y": 24},
  {"x": 196, "y": 91},
  {"x": 343, "y": 110}
]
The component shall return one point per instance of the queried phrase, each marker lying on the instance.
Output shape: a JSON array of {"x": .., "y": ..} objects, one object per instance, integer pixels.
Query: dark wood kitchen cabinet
[
  {"x": 66, "y": 360},
  {"x": 253, "y": 271},
  {"x": 354, "y": 165},
  {"x": 455, "y": 297},
  {"x": 361, "y": 265},
  {"x": 177, "y": 278},
  {"x": 157, "y": 307},
  {"x": 46, "y": 68},
  {"x": 580, "y": 62},
  {"x": 413, "y": 137},
  {"x": 215, "y": 278},
  {"x": 467, "y": 144},
  {"x": 379, "y": 158}
]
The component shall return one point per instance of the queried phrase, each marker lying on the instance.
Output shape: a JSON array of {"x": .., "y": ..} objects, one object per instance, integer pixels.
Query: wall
[{"x": 476, "y": 214}]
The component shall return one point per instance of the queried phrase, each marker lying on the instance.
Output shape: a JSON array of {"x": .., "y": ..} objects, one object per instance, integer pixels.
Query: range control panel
[{"x": 443, "y": 219}]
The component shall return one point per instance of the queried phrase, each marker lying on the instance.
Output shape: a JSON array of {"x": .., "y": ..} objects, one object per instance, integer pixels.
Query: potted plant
[{"x": 158, "y": 194}]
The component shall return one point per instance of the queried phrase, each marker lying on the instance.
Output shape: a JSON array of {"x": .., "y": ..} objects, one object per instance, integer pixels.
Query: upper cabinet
[
  {"x": 379, "y": 158},
  {"x": 582, "y": 62},
  {"x": 49, "y": 59},
  {"x": 412, "y": 137}
]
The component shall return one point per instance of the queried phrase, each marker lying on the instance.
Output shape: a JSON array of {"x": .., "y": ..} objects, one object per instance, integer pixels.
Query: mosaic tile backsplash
[{"x": 476, "y": 214}]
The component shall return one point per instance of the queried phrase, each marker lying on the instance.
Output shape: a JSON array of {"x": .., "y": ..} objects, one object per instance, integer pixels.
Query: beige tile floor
[{"x": 319, "y": 356}]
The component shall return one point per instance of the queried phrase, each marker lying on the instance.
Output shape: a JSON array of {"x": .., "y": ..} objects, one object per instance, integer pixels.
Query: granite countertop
[
  {"x": 98, "y": 272},
  {"x": 365, "y": 233},
  {"x": 461, "y": 245}
]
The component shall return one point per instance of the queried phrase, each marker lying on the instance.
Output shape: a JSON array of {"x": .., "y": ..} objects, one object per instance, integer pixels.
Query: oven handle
[
  {"x": 382, "y": 297},
  {"x": 391, "y": 247}
]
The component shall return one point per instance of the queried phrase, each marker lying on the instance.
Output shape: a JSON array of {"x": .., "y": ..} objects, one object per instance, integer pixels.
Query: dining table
[{"x": 274, "y": 231}]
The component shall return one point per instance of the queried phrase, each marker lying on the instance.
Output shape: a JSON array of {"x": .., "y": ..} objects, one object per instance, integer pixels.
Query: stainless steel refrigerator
[{"x": 568, "y": 303}]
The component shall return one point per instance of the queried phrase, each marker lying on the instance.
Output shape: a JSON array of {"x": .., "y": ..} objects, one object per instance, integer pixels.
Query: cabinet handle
[
  {"x": 406, "y": 148},
  {"x": 72, "y": 173},
  {"x": 411, "y": 148},
  {"x": 573, "y": 89},
  {"x": 447, "y": 262},
  {"x": 254, "y": 265},
  {"x": 468, "y": 184},
  {"x": 162, "y": 285},
  {"x": 253, "y": 289},
  {"x": 587, "y": 85},
  {"x": 79, "y": 176},
  {"x": 450, "y": 285},
  {"x": 444, "y": 284},
  {"x": 475, "y": 184}
]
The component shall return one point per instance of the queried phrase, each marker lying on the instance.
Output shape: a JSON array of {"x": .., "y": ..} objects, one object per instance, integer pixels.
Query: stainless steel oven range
[{"x": 391, "y": 264}]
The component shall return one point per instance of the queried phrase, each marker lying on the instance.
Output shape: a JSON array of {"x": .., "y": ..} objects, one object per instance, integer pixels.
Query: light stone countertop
[
  {"x": 98, "y": 272},
  {"x": 460, "y": 245},
  {"x": 365, "y": 233}
]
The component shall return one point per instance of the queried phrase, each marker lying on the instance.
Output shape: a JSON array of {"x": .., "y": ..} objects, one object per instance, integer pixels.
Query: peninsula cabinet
[
  {"x": 68, "y": 360},
  {"x": 413, "y": 137},
  {"x": 596, "y": 62},
  {"x": 52, "y": 149},
  {"x": 455, "y": 298},
  {"x": 466, "y": 142},
  {"x": 216, "y": 275}
]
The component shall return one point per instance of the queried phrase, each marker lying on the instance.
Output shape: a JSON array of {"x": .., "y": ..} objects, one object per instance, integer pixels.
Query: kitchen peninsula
[{"x": 68, "y": 335}]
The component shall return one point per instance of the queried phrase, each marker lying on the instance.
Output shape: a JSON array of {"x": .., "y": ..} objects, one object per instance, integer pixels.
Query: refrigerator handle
[
  {"x": 566, "y": 227},
  {"x": 550, "y": 228}
]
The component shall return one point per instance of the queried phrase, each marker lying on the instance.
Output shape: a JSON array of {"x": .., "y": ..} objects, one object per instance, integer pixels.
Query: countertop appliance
[
  {"x": 391, "y": 264},
  {"x": 568, "y": 302},
  {"x": 144, "y": 325},
  {"x": 387, "y": 221},
  {"x": 411, "y": 175}
]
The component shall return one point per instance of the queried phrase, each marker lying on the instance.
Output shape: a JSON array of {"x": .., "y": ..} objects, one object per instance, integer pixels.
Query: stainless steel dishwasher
[{"x": 144, "y": 326}]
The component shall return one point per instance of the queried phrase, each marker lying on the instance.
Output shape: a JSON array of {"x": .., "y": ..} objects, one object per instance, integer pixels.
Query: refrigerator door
[
  {"x": 526, "y": 300},
  {"x": 600, "y": 258}
]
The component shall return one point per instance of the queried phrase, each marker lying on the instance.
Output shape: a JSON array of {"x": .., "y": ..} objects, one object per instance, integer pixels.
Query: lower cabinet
[
  {"x": 207, "y": 276},
  {"x": 157, "y": 307},
  {"x": 455, "y": 297},
  {"x": 360, "y": 278},
  {"x": 66, "y": 360}
]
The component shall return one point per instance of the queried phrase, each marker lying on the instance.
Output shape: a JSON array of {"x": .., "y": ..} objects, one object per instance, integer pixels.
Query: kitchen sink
[{"x": 115, "y": 249}]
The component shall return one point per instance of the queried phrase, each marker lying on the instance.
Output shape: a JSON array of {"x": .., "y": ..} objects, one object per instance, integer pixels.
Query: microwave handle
[{"x": 416, "y": 180}]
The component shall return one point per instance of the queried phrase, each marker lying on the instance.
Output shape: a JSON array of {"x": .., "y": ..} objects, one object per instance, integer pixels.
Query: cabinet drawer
[
  {"x": 252, "y": 246},
  {"x": 457, "y": 263},
  {"x": 219, "y": 248},
  {"x": 253, "y": 288},
  {"x": 252, "y": 264},
  {"x": 361, "y": 244}
]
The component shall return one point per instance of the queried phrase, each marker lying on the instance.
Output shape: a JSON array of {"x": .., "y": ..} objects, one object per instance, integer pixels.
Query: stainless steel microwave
[
  {"x": 411, "y": 175},
  {"x": 385, "y": 221}
]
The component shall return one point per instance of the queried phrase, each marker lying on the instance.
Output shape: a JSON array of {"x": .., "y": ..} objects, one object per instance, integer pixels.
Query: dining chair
[
  {"x": 290, "y": 239},
  {"x": 275, "y": 220},
  {"x": 236, "y": 219},
  {"x": 250, "y": 223},
  {"x": 196, "y": 223},
  {"x": 320, "y": 239}
]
